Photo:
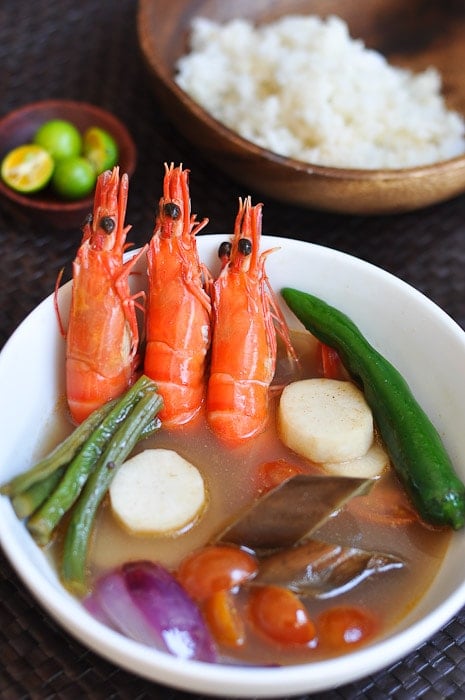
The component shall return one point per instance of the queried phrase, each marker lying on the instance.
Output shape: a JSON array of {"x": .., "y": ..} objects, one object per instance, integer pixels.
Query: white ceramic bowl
[{"x": 411, "y": 331}]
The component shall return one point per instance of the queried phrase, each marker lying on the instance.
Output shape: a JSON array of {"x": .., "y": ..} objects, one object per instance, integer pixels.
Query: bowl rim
[
  {"x": 58, "y": 206},
  {"x": 220, "y": 679},
  {"x": 153, "y": 58}
]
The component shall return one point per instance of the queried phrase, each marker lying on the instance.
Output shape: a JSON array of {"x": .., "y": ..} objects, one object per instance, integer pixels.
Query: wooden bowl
[
  {"x": 416, "y": 35},
  {"x": 18, "y": 127}
]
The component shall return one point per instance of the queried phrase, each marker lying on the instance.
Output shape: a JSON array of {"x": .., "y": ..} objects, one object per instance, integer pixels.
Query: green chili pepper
[{"x": 414, "y": 445}]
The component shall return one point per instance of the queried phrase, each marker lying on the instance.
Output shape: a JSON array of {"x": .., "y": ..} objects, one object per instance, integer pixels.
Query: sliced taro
[
  {"x": 291, "y": 511},
  {"x": 322, "y": 569}
]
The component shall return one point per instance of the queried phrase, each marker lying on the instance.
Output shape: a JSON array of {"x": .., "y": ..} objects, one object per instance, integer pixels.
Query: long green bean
[
  {"x": 61, "y": 455},
  {"x": 26, "y": 502},
  {"x": 46, "y": 518},
  {"x": 73, "y": 568}
]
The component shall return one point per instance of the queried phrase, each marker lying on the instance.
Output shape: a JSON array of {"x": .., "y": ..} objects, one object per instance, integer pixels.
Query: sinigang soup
[{"x": 382, "y": 521}]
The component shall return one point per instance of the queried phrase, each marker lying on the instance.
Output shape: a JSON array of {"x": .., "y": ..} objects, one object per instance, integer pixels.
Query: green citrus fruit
[
  {"x": 60, "y": 138},
  {"x": 27, "y": 168},
  {"x": 74, "y": 178},
  {"x": 100, "y": 148}
]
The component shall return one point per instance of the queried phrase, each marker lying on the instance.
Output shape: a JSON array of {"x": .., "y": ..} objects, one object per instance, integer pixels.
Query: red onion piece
[
  {"x": 112, "y": 597},
  {"x": 94, "y": 607},
  {"x": 169, "y": 611}
]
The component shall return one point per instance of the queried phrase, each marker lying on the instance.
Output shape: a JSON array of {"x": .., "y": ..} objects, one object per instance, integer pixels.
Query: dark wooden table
[{"x": 89, "y": 51}]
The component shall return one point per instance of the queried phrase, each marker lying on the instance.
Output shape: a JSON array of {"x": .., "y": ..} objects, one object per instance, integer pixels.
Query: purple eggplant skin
[{"x": 169, "y": 610}]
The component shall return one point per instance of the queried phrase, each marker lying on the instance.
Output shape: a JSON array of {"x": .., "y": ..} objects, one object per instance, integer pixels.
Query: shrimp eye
[
  {"x": 107, "y": 223},
  {"x": 245, "y": 246},
  {"x": 89, "y": 218},
  {"x": 224, "y": 251},
  {"x": 172, "y": 210}
]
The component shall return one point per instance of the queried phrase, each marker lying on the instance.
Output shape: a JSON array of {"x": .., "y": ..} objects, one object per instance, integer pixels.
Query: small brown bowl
[
  {"x": 18, "y": 127},
  {"x": 414, "y": 35}
]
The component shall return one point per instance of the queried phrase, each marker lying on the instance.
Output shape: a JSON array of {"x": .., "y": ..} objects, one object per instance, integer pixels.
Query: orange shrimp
[
  {"x": 178, "y": 307},
  {"x": 246, "y": 318},
  {"x": 102, "y": 336}
]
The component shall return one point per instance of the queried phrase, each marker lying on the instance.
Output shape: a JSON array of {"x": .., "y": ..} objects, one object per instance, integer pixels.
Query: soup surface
[{"x": 381, "y": 521}]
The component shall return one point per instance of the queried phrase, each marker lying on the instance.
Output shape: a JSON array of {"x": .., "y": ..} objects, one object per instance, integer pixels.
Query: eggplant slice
[
  {"x": 320, "y": 569},
  {"x": 291, "y": 511}
]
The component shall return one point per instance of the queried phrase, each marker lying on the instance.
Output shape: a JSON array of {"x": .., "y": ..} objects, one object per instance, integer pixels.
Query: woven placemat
[{"x": 89, "y": 51}]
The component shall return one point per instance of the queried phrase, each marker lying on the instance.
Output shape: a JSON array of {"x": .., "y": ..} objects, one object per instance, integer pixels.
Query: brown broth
[{"x": 231, "y": 480}]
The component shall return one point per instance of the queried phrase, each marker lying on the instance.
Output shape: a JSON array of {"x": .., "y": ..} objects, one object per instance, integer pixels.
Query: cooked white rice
[{"x": 301, "y": 87}]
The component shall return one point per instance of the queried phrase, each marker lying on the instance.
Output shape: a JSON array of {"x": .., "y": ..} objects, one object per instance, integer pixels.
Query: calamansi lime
[
  {"x": 27, "y": 168},
  {"x": 60, "y": 138},
  {"x": 100, "y": 148},
  {"x": 74, "y": 178}
]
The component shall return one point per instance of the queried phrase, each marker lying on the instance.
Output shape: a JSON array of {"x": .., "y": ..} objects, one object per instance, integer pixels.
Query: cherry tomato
[
  {"x": 271, "y": 474},
  {"x": 280, "y": 615},
  {"x": 215, "y": 568},
  {"x": 386, "y": 504},
  {"x": 223, "y": 619},
  {"x": 345, "y": 626}
]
